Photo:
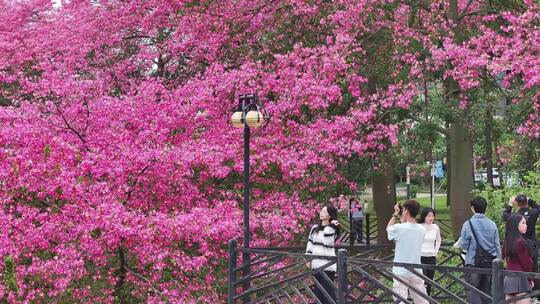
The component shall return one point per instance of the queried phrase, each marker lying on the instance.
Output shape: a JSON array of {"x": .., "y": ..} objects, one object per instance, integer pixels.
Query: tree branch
[
  {"x": 136, "y": 182},
  {"x": 69, "y": 127},
  {"x": 144, "y": 279},
  {"x": 435, "y": 127},
  {"x": 121, "y": 275},
  {"x": 471, "y": 13},
  {"x": 465, "y": 10}
]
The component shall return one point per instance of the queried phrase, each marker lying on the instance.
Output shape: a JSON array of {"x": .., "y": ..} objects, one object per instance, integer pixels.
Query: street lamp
[
  {"x": 432, "y": 183},
  {"x": 408, "y": 176},
  {"x": 249, "y": 114}
]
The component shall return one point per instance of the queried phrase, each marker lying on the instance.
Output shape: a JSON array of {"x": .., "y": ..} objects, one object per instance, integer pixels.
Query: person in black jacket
[{"x": 530, "y": 211}]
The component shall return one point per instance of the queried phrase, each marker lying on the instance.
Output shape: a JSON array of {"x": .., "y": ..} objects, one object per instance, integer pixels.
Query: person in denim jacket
[{"x": 488, "y": 237}]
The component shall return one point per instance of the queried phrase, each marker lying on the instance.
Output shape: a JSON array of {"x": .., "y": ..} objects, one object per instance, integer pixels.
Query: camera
[{"x": 400, "y": 209}]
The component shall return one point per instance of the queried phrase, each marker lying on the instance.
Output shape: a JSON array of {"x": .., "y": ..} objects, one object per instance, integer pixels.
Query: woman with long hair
[
  {"x": 321, "y": 242},
  {"x": 516, "y": 253},
  {"x": 431, "y": 244}
]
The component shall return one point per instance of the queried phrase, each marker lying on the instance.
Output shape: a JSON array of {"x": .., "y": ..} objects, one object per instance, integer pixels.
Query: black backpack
[{"x": 483, "y": 258}]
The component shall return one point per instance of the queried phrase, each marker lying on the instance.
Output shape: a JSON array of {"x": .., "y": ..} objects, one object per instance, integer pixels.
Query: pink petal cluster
[{"x": 120, "y": 174}]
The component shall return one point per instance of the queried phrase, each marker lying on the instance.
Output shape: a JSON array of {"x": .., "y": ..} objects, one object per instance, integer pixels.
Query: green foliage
[
  {"x": 499, "y": 198},
  {"x": 357, "y": 169},
  {"x": 7, "y": 90},
  {"x": 10, "y": 280},
  {"x": 414, "y": 190}
]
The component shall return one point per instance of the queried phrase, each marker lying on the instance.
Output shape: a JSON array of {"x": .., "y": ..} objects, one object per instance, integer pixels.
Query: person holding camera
[
  {"x": 408, "y": 237},
  {"x": 480, "y": 238}
]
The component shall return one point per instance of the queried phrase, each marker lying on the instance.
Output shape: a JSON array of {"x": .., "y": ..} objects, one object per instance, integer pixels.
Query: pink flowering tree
[
  {"x": 461, "y": 54},
  {"x": 120, "y": 175},
  {"x": 120, "y": 178}
]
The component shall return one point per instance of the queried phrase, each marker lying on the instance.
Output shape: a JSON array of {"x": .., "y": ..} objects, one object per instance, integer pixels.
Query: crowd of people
[{"x": 418, "y": 242}]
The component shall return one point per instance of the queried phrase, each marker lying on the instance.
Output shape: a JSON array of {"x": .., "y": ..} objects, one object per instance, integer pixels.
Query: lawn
[{"x": 441, "y": 210}]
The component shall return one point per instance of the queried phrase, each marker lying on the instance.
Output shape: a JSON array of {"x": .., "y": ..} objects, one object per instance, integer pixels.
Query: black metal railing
[
  {"x": 499, "y": 272},
  {"x": 370, "y": 232},
  {"x": 364, "y": 275},
  {"x": 283, "y": 277},
  {"x": 372, "y": 281},
  {"x": 367, "y": 232}
]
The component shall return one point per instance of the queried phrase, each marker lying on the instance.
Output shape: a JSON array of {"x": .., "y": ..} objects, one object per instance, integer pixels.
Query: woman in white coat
[{"x": 321, "y": 242}]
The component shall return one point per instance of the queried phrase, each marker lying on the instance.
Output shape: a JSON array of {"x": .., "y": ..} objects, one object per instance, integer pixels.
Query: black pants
[
  {"x": 430, "y": 273},
  {"x": 480, "y": 281},
  {"x": 357, "y": 230},
  {"x": 330, "y": 288}
]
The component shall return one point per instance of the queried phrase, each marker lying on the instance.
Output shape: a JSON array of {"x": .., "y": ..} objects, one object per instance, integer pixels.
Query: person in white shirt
[
  {"x": 408, "y": 237},
  {"x": 431, "y": 244},
  {"x": 321, "y": 242}
]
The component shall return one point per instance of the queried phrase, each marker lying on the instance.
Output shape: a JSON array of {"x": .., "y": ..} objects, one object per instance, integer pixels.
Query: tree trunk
[
  {"x": 461, "y": 177},
  {"x": 122, "y": 271},
  {"x": 384, "y": 196},
  {"x": 461, "y": 147}
]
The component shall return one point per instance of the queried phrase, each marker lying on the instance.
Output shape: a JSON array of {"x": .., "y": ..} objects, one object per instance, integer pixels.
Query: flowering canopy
[{"x": 120, "y": 174}]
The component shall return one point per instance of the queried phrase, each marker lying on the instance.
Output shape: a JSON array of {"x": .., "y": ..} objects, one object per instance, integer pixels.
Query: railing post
[
  {"x": 342, "y": 275},
  {"x": 497, "y": 280},
  {"x": 351, "y": 228},
  {"x": 367, "y": 228},
  {"x": 232, "y": 275}
]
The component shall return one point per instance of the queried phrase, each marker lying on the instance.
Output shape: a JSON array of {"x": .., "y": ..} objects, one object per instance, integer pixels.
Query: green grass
[{"x": 441, "y": 210}]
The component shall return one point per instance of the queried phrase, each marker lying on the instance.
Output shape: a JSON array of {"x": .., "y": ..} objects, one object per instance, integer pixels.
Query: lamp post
[
  {"x": 408, "y": 176},
  {"x": 249, "y": 114},
  {"x": 431, "y": 165},
  {"x": 433, "y": 186}
]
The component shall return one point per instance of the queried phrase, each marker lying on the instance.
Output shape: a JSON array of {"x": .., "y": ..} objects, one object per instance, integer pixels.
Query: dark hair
[
  {"x": 521, "y": 199},
  {"x": 512, "y": 235},
  {"x": 354, "y": 202},
  {"x": 424, "y": 213},
  {"x": 333, "y": 212},
  {"x": 412, "y": 206},
  {"x": 479, "y": 204}
]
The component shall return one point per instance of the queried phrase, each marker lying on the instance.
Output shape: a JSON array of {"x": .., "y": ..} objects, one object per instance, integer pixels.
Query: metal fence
[
  {"x": 364, "y": 275},
  {"x": 370, "y": 232}
]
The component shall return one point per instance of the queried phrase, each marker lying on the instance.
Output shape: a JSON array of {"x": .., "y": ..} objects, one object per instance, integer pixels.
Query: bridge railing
[
  {"x": 277, "y": 276},
  {"x": 502, "y": 274},
  {"x": 364, "y": 275},
  {"x": 370, "y": 232}
]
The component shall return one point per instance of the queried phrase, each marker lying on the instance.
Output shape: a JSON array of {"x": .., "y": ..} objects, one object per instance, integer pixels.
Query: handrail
[
  {"x": 279, "y": 276},
  {"x": 422, "y": 266}
]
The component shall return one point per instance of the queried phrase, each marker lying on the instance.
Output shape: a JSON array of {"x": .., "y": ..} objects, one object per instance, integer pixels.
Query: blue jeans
[{"x": 481, "y": 282}]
